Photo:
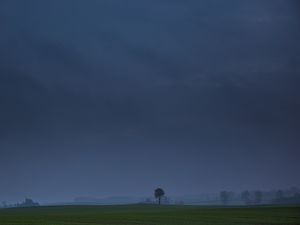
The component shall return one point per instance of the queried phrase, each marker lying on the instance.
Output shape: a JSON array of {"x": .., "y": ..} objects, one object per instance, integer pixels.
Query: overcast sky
[{"x": 113, "y": 97}]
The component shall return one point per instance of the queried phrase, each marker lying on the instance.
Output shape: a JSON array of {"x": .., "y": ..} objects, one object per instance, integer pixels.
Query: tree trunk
[{"x": 159, "y": 200}]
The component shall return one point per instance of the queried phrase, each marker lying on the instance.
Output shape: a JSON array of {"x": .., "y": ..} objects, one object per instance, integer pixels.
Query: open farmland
[{"x": 149, "y": 215}]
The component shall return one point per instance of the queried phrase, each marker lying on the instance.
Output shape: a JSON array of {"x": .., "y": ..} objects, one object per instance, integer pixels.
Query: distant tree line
[
  {"x": 26, "y": 203},
  {"x": 287, "y": 196},
  {"x": 257, "y": 197}
]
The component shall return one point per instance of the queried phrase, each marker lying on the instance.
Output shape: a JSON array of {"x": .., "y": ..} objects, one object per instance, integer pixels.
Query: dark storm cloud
[{"x": 153, "y": 81}]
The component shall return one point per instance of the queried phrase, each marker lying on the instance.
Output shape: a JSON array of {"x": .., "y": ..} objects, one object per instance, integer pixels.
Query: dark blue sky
[{"x": 103, "y": 98}]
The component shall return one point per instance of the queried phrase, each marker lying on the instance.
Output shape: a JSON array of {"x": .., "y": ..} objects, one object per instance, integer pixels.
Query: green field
[{"x": 149, "y": 215}]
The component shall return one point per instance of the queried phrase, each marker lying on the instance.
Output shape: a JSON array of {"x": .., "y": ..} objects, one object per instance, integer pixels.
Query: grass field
[{"x": 149, "y": 215}]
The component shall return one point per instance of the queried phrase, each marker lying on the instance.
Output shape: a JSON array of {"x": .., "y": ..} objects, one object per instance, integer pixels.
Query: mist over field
[{"x": 115, "y": 98}]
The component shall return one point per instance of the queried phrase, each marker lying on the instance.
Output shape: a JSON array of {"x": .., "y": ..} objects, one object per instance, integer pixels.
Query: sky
[{"x": 116, "y": 98}]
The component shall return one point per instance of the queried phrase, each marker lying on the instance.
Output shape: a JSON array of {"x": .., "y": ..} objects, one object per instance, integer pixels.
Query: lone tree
[{"x": 159, "y": 193}]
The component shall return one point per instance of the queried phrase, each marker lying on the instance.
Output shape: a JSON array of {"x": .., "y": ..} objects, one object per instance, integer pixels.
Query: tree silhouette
[
  {"x": 246, "y": 197},
  {"x": 258, "y": 197},
  {"x": 159, "y": 193},
  {"x": 279, "y": 194},
  {"x": 224, "y": 196}
]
